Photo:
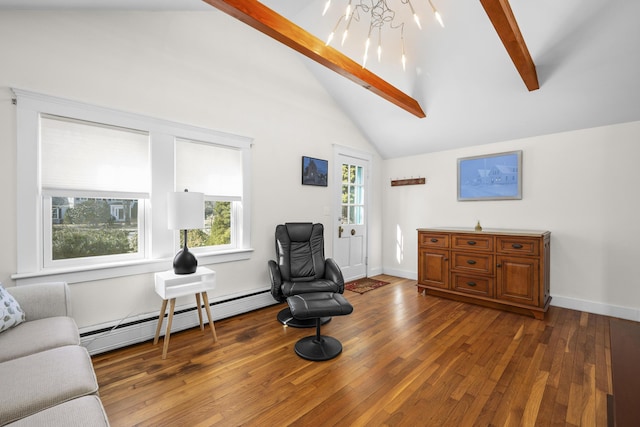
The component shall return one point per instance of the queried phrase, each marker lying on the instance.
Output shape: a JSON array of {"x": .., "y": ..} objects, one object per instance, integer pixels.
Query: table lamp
[{"x": 186, "y": 212}]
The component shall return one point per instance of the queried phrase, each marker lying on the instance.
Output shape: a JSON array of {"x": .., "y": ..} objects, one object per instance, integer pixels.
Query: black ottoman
[{"x": 316, "y": 306}]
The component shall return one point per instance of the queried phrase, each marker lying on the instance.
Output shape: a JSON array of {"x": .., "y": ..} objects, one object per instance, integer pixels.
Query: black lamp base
[{"x": 185, "y": 262}]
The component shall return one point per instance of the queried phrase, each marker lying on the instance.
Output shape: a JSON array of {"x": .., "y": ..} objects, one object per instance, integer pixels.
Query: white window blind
[
  {"x": 209, "y": 169},
  {"x": 78, "y": 155}
]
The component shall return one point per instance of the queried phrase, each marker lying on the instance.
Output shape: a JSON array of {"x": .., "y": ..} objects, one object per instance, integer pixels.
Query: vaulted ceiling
[{"x": 586, "y": 55}]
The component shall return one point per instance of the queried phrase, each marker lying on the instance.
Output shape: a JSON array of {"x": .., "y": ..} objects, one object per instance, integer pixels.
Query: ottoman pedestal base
[
  {"x": 316, "y": 306},
  {"x": 312, "y": 348}
]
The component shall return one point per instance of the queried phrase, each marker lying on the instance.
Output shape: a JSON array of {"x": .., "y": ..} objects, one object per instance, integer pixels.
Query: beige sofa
[{"x": 46, "y": 377}]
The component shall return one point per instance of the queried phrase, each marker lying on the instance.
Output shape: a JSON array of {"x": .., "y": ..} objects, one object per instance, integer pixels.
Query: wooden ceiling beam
[
  {"x": 504, "y": 22},
  {"x": 265, "y": 20}
]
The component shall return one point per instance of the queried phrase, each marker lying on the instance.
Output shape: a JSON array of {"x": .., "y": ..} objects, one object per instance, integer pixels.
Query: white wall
[
  {"x": 579, "y": 185},
  {"x": 199, "y": 68}
]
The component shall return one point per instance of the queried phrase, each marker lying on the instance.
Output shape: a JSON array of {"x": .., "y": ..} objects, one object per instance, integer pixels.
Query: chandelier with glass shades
[{"x": 380, "y": 15}]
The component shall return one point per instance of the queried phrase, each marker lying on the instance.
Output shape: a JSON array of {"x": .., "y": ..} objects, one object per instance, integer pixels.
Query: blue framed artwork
[
  {"x": 490, "y": 177},
  {"x": 314, "y": 171}
]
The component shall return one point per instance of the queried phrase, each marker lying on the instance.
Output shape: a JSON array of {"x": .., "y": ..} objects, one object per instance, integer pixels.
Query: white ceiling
[{"x": 587, "y": 55}]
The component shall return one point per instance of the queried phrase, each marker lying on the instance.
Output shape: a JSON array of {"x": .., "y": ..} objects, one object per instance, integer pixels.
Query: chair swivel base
[
  {"x": 317, "y": 349},
  {"x": 286, "y": 318}
]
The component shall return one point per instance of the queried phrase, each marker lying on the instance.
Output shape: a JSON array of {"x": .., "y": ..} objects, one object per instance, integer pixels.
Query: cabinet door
[
  {"x": 518, "y": 280},
  {"x": 433, "y": 268}
]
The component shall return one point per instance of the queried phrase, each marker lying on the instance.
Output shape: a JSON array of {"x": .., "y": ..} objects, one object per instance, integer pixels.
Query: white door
[{"x": 350, "y": 228}]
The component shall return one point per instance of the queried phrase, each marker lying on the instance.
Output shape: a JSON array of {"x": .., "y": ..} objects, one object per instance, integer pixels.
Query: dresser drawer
[
  {"x": 472, "y": 284},
  {"x": 433, "y": 240},
  {"x": 476, "y": 262},
  {"x": 518, "y": 245},
  {"x": 471, "y": 242}
]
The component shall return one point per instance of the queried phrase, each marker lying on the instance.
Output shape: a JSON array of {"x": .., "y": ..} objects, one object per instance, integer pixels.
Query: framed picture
[
  {"x": 490, "y": 177},
  {"x": 314, "y": 171}
]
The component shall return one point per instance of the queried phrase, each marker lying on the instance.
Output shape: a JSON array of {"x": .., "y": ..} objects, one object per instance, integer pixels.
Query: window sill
[{"x": 122, "y": 269}]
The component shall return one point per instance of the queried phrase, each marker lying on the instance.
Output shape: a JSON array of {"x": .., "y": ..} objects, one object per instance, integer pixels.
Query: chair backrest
[{"x": 300, "y": 251}]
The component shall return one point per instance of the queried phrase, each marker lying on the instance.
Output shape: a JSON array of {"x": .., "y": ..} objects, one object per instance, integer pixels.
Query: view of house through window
[{"x": 87, "y": 227}]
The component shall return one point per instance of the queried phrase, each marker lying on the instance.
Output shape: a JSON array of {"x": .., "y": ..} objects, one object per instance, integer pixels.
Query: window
[
  {"x": 100, "y": 179},
  {"x": 83, "y": 165},
  {"x": 215, "y": 171}
]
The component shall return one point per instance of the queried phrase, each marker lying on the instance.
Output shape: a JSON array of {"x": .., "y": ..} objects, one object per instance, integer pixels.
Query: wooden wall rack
[{"x": 410, "y": 181}]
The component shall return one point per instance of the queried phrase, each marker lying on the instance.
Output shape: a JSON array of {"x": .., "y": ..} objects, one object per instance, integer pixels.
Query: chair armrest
[
  {"x": 276, "y": 281},
  {"x": 332, "y": 272},
  {"x": 42, "y": 300}
]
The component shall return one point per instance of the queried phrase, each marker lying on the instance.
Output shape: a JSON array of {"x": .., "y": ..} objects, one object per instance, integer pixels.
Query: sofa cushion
[
  {"x": 81, "y": 412},
  {"x": 10, "y": 312},
  {"x": 38, "y": 335},
  {"x": 40, "y": 381}
]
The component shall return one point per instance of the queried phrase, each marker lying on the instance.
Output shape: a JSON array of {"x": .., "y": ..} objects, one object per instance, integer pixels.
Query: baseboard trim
[
  {"x": 374, "y": 272},
  {"x": 411, "y": 275},
  {"x": 135, "y": 329},
  {"x": 627, "y": 313},
  {"x": 594, "y": 307}
]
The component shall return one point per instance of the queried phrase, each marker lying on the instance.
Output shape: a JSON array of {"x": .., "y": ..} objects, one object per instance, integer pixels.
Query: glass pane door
[{"x": 352, "y": 194}]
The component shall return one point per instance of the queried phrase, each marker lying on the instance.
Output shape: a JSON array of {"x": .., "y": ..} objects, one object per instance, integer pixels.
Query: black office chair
[{"x": 301, "y": 268}]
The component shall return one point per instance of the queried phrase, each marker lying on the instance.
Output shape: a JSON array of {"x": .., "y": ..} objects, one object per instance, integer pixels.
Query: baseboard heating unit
[{"x": 135, "y": 329}]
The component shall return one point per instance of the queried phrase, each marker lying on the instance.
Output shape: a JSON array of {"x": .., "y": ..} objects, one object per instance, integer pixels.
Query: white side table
[{"x": 170, "y": 286}]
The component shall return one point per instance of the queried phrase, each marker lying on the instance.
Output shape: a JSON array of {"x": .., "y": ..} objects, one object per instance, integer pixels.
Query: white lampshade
[{"x": 185, "y": 210}]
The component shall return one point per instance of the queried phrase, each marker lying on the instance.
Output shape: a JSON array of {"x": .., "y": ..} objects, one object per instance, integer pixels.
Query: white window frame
[{"x": 160, "y": 242}]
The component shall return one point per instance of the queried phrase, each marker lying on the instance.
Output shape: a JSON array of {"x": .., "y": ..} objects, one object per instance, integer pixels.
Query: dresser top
[{"x": 499, "y": 231}]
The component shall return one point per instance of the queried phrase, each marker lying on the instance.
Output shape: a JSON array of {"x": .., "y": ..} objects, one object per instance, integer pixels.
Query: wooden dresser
[{"x": 506, "y": 269}]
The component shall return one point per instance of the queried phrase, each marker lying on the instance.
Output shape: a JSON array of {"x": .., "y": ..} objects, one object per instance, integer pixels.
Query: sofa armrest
[{"x": 42, "y": 300}]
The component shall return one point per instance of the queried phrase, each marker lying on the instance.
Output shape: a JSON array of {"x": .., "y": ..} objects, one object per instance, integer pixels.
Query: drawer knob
[
  {"x": 434, "y": 240},
  {"x": 471, "y": 262},
  {"x": 471, "y": 283},
  {"x": 516, "y": 246},
  {"x": 498, "y": 265},
  {"x": 471, "y": 242}
]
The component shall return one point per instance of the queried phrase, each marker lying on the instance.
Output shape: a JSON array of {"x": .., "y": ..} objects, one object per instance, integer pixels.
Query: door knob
[
  {"x": 353, "y": 232},
  {"x": 340, "y": 230}
]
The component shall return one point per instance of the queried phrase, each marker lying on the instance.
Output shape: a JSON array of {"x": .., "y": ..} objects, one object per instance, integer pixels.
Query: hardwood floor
[{"x": 408, "y": 360}]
